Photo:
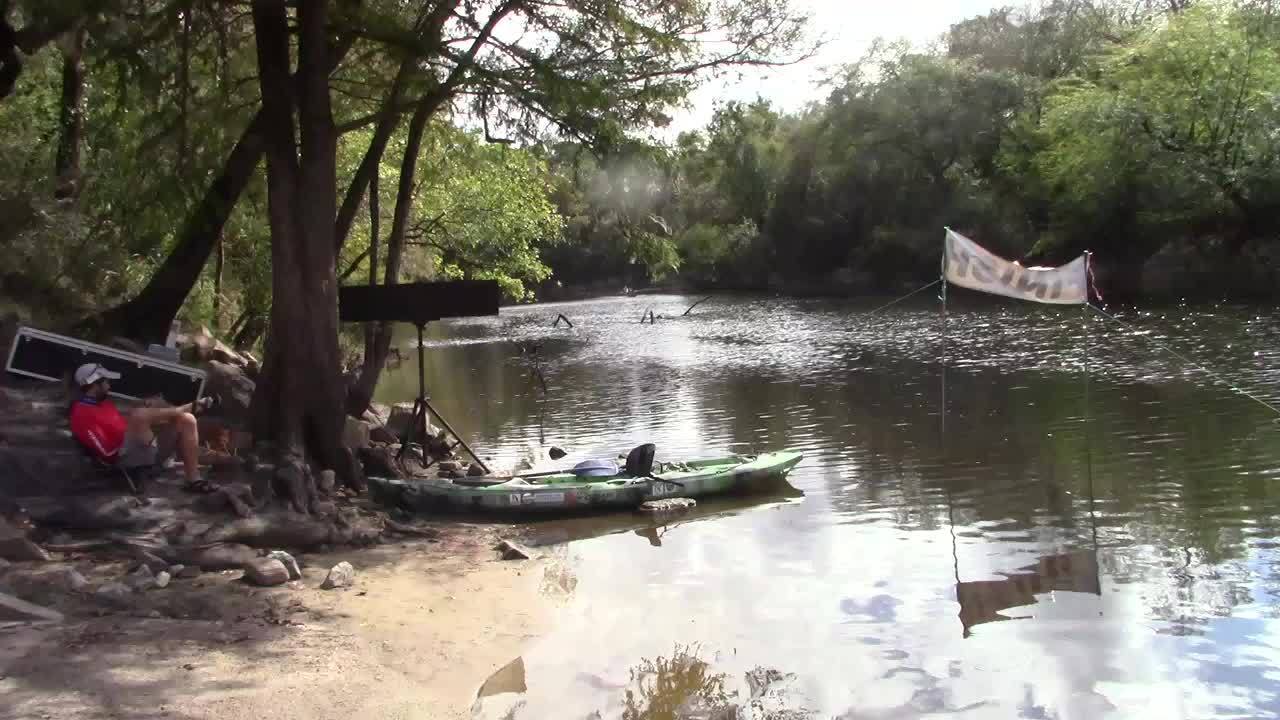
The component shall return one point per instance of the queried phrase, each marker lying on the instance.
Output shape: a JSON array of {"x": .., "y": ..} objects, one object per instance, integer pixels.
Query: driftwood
[{"x": 691, "y": 307}]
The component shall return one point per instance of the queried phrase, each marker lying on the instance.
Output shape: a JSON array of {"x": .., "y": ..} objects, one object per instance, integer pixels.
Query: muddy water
[{"x": 1044, "y": 548}]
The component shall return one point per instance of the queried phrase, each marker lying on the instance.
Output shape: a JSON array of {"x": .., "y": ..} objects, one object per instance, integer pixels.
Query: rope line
[
  {"x": 1212, "y": 375},
  {"x": 904, "y": 297}
]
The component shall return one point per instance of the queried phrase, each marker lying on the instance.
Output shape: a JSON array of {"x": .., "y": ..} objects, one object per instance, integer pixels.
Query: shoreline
[{"x": 422, "y": 628}]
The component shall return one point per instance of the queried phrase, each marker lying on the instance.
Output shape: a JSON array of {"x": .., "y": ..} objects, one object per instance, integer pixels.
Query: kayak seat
[{"x": 640, "y": 460}]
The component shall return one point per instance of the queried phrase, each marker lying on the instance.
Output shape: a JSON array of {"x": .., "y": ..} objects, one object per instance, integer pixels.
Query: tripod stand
[{"x": 422, "y": 410}]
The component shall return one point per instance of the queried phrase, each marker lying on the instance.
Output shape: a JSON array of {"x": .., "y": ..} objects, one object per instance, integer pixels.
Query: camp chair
[{"x": 115, "y": 473}]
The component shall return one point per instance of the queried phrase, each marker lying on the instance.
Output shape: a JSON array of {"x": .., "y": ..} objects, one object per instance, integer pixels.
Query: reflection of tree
[{"x": 682, "y": 686}]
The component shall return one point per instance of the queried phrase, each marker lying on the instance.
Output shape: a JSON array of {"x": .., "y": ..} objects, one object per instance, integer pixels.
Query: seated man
[{"x": 131, "y": 440}]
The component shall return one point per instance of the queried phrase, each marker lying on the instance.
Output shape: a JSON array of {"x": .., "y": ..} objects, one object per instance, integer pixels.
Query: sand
[{"x": 421, "y": 630}]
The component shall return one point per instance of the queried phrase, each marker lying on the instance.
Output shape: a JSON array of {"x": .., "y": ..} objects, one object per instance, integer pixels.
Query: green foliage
[
  {"x": 1118, "y": 127},
  {"x": 1176, "y": 132},
  {"x": 482, "y": 212}
]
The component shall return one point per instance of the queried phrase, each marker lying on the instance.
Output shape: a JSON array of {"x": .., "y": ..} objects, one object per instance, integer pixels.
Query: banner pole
[
  {"x": 943, "y": 413},
  {"x": 1088, "y": 410}
]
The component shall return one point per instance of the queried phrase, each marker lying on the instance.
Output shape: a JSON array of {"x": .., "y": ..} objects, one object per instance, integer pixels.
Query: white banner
[{"x": 969, "y": 265}]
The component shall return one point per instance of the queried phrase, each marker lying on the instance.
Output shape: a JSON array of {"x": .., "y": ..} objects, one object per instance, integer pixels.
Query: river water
[{"x": 1047, "y": 547}]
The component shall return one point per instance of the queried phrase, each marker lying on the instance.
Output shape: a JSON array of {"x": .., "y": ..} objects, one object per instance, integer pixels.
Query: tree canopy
[{"x": 1126, "y": 128}]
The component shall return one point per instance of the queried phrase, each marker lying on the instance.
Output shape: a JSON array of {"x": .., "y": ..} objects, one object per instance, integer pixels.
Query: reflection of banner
[
  {"x": 969, "y": 265},
  {"x": 981, "y": 601}
]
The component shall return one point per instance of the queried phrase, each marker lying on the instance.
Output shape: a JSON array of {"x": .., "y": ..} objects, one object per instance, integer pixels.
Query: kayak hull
[
  {"x": 565, "y": 493},
  {"x": 709, "y": 478}
]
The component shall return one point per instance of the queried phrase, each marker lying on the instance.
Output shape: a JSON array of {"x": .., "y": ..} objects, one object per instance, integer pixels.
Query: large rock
[
  {"x": 225, "y": 354},
  {"x": 230, "y": 384},
  {"x": 99, "y": 511},
  {"x": 379, "y": 414},
  {"x": 400, "y": 418},
  {"x": 34, "y": 460},
  {"x": 289, "y": 563},
  {"x": 115, "y": 594},
  {"x": 380, "y": 462},
  {"x": 340, "y": 575},
  {"x": 326, "y": 481},
  {"x": 221, "y": 556},
  {"x": 141, "y": 579},
  {"x": 380, "y": 434},
  {"x": 196, "y": 346},
  {"x": 511, "y": 550},
  {"x": 73, "y": 581},
  {"x": 355, "y": 434},
  {"x": 266, "y": 572}
]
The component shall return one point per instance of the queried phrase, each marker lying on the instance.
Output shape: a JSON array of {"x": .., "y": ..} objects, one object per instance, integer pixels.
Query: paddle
[
  {"x": 677, "y": 483},
  {"x": 547, "y": 473}
]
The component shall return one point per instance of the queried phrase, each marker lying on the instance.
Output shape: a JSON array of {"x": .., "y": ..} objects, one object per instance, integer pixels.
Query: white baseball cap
[{"x": 92, "y": 373}]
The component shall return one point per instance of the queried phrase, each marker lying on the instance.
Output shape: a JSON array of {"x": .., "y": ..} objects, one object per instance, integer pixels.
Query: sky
[{"x": 849, "y": 27}]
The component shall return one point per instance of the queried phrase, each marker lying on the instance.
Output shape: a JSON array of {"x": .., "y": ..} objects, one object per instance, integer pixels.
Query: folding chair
[{"x": 114, "y": 472}]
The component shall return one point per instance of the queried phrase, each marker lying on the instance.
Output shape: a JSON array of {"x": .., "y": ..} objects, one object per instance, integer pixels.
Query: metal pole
[
  {"x": 454, "y": 433},
  {"x": 422, "y": 367},
  {"x": 1088, "y": 412},
  {"x": 943, "y": 414}
]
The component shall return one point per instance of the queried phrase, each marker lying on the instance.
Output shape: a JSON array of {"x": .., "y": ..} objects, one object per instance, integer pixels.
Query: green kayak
[{"x": 578, "y": 491}]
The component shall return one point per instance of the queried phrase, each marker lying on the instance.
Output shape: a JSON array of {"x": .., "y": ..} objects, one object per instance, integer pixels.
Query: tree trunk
[
  {"x": 387, "y": 122},
  {"x": 71, "y": 121},
  {"x": 375, "y": 357},
  {"x": 255, "y": 324},
  {"x": 370, "y": 329},
  {"x": 297, "y": 403},
  {"x": 10, "y": 60},
  {"x": 147, "y": 316},
  {"x": 184, "y": 90},
  {"x": 219, "y": 263}
]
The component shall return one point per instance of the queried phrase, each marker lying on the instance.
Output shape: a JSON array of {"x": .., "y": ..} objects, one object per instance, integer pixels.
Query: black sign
[{"x": 418, "y": 303}]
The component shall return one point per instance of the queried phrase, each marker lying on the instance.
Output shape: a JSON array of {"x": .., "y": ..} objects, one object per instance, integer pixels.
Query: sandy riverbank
[{"x": 421, "y": 630}]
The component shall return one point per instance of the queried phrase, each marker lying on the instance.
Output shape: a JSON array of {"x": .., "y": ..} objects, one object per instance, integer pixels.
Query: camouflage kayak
[{"x": 569, "y": 491}]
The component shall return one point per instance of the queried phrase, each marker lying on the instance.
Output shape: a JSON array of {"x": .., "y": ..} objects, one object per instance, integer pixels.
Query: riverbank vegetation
[{"x": 1137, "y": 130}]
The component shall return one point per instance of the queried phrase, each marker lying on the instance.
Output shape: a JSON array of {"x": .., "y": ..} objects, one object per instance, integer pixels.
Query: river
[{"x": 1089, "y": 530}]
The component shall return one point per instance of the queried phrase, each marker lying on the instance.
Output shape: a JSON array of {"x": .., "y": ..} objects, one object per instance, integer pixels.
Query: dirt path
[{"x": 423, "y": 627}]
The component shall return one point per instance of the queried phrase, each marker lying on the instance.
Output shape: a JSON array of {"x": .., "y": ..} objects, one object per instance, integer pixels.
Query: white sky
[{"x": 850, "y": 27}]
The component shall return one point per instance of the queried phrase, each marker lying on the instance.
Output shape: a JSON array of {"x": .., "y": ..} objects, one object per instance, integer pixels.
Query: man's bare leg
[{"x": 144, "y": 421}]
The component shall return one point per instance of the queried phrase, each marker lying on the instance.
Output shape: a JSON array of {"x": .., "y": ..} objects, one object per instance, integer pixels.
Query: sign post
[{"x": 419, "y": 304}]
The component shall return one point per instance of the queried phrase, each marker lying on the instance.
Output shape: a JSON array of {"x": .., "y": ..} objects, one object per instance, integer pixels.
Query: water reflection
[
  {"x": 1147, "y": 587},
  {"x": 982, "y": 601}
]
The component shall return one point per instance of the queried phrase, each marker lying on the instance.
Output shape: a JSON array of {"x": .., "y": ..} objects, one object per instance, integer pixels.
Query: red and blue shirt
[{"x": 98, "y": 425}]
